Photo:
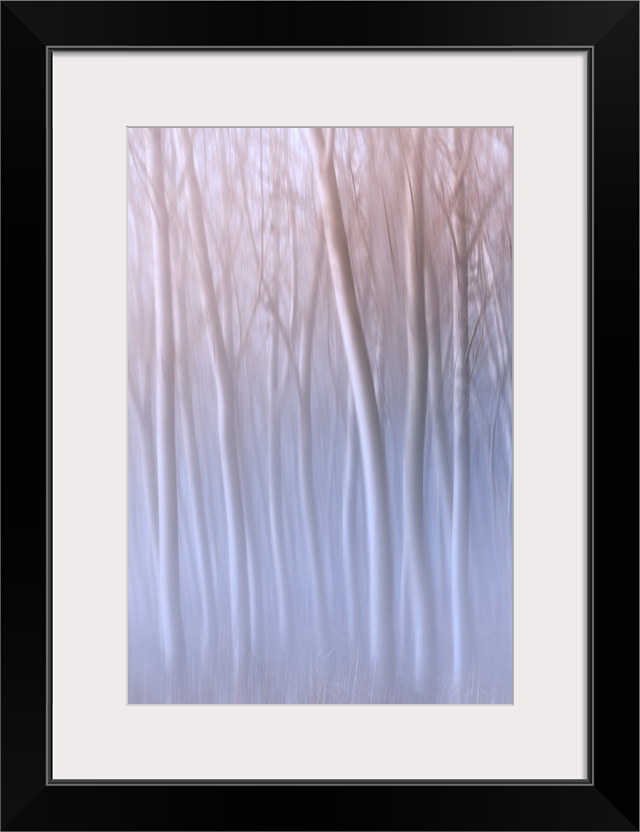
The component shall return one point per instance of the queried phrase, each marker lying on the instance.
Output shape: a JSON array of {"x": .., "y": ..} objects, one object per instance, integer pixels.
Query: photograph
[{"x": 320, "y": 415}]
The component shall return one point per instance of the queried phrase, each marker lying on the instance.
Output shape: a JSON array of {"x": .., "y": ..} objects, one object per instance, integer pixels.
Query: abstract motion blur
[{"x": 320, "y": 415}]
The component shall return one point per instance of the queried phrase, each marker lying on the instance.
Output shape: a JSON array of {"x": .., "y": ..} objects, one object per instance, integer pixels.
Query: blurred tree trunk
[
  {"x": 373, "y": 456},
  {"x": 278, "y": 547},
  {"x": 140, "y": 408},
  {"x": 227, "y": 437},
  {"x": 350, "y": 547},
  {"x": 305, "y": 464},
  {"x": 461, "y": 612},
  {"x": 436, "y": 411},
  {"x": 417, "y": 594},
  {"x": 168, "y": 560},
  {"x": 196, "y": 504}
]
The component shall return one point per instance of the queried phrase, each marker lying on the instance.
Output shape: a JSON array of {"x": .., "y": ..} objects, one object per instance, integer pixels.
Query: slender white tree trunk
[
  {"x": 238, "y": 567},
  {"x": 305, "y": 465},
  {"x": 168, "y": 551},
  {"x": 350, "y": 548},
  {"x": 373, "y": 458},
  {"x": 203, "y": 547},
  {"x": 435, "y": 401},
  {"x": 147, "y": 444},
  {"x": 417, "y": 593},
  {"x": 278, "y": 545},
  {"x": 462, "y": 634},
  {"x": 227, "y": 437}
]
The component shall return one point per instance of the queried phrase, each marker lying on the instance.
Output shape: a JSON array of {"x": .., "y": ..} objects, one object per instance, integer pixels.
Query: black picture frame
[{"x": 608, "y": 798}]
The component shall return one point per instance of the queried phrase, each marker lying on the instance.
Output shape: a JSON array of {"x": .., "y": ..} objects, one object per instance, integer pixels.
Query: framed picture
[{"x": 99, "y": 101}]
